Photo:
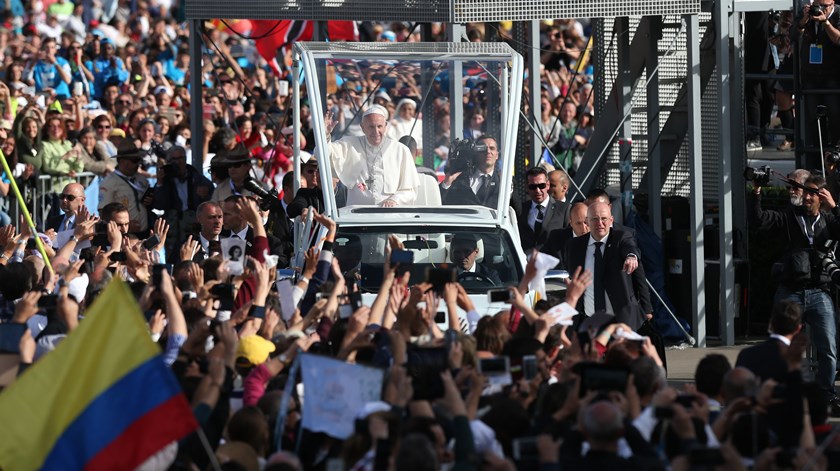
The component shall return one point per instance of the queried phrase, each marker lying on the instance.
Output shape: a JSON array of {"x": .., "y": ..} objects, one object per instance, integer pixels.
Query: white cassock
[{"x": 373, "y": 174}]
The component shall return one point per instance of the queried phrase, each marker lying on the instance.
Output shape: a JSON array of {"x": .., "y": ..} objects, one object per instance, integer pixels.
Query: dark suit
[
  {"x": 304, "y": 198},
  {"x": 765, "y": 360},
  {"x": 556, "y": 217},
  {"x": 166, "y": 198},
  {"x": 555, "y": 245},
  {"x": 275, "y": 245},
  {"x": 278, "y": 227},
  {"x": 55, "y": 223},
  {"x": 461, "y": 193},
  {"x": 628, "y": 294},
  {"x": 486, "y": 272}
]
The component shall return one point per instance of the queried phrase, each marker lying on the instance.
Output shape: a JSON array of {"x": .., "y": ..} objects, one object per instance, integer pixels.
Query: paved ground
[{"x": 683, "y": 361}]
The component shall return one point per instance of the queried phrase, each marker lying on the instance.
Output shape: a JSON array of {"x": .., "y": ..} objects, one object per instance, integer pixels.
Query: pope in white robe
[{"x": 376, "y": 169}]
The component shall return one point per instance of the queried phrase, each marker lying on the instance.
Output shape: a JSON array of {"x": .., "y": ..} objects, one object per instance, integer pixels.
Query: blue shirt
[
  {"x": 46, "y": 76},
  {"x": 104, "y": 74}
]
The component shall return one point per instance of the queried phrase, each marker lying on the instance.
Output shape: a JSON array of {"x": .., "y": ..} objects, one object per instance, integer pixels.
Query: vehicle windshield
[
  {"x": 464, "y": 139},
  {"x": 482, "y": 259}
]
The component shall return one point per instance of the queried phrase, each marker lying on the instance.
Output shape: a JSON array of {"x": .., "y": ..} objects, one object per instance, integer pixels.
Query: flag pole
[
  {"x": 206, "y": 444},
  {"x": 25, "y": 211}
]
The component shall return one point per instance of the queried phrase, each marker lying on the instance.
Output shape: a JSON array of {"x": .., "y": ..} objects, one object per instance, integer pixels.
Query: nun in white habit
[{"x": 403, "y": 123}]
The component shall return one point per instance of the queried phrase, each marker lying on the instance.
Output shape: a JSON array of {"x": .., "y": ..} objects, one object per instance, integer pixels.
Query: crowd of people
[{"x": 102, "y": 88}]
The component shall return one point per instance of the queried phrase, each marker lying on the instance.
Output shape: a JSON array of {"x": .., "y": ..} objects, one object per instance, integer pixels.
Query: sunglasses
[
  {"x": 68, "y": 197},
  {"x": 105, "y": 126},
  {"x": 534, "y": 186}
]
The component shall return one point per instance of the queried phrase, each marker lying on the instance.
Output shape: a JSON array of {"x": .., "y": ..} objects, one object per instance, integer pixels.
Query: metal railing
[{"x": 37, "y": 197}]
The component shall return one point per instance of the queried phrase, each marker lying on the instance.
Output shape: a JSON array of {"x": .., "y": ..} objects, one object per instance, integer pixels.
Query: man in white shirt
[
  {"x": 540, "y": 214},
  {"x": 480, "y": 183},
  {"x": 612, "y": 256},
  {"x": 558, "y": 184},
  {"x": 376, "y": 169},
  {"x": 464, "y": 252},
  {"x": 72, "y": 199},
  {"x": 210, "y": 218}
]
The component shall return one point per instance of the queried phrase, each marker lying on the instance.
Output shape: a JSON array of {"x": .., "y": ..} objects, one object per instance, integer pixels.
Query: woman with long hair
[
  {"x": 103, "y": 125},
  {"x": 59, "y": 159},
  {"x": 27, "y": 132},
  {"x": 90, "y": 154}
]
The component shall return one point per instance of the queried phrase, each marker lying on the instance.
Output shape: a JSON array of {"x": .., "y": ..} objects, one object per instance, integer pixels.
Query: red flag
[
  {"x": 343, "y": 31},
  {"x": 271, "y": 35}
]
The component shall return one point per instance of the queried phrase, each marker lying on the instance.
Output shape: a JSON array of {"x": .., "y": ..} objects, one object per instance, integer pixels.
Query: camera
[
  {"x": 461, "y": 154},
  {"x": 827, "y": 263},
  {"x": 816, "y": 10},
  {"x": 759, "y": 176},
  {"x": 156, "y": 149},
  {"x": 267, "y": 197},
  {"x": 832, "y": 156}
]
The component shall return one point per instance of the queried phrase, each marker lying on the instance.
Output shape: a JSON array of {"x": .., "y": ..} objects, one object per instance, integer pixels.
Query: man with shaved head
[
  {"x": 72, "y": 199},
  {"x": 612, "y": 256},
  {"x": 555, "y": 244}
]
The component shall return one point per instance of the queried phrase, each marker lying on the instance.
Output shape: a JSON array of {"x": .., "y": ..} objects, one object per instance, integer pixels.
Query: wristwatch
[
  {"x": 74, "y": 238},
  {"x": 284, "y": 359}
]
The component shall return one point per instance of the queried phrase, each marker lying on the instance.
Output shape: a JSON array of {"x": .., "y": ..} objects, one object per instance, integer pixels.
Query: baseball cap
[{"x": 254, "y": 349}]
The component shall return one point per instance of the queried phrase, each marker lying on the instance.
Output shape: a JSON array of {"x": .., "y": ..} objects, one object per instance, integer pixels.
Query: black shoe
[{"x": 834, "y": 404}]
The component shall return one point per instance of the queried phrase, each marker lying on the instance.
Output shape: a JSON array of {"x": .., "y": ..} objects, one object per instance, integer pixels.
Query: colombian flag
[{"x": 103, "y": 399}]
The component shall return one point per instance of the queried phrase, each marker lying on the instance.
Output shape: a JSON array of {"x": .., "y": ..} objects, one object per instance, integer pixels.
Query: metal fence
[{"x": 38, "y": 198}]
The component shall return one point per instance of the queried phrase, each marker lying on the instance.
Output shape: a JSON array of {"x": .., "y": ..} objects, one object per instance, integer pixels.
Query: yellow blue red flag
[{"x": 103, "y": 399}]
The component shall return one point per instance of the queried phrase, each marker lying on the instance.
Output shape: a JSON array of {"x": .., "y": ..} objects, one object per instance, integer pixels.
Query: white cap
[
  {"x": 287, "y": 130},
  {"x": 372, "y": 408},
  {"x": 406, "y": 101},
  {"x": 162, "y": 89},
  {"x": 305, "y": 157},
  {"x": 78, "y": 287},
  {"x": 376, "y": 109}
]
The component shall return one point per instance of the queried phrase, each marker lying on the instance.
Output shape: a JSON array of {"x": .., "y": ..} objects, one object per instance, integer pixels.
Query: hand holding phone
[
  {"x": 500, "y": 295},
  {"x": 404, "y": 257}
]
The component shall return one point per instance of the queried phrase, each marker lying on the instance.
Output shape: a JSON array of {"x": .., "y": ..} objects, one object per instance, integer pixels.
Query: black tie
[
  {"x": 539, "y": 220},
  {"x": 598, "y": 285},
  {"x": 483, "y": 188}
]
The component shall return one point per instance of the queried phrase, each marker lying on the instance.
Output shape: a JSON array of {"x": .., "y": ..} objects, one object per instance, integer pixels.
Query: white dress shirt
[
  {"x": 243, "y": 234},
  {"x": 532, "y": 214},
  {"x": 476, "y": 178},
  {"x": 205, "y": 244}
]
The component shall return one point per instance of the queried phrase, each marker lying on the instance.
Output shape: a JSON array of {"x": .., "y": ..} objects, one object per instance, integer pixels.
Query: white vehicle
[{"x": 484, "y": 77}]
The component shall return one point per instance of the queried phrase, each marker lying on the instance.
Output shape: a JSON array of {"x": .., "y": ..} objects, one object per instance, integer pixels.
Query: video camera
[
  {"x": 461, "y": 155},
  {"x": 759, "y": 176},
  {"x": 267, "y": 197}
]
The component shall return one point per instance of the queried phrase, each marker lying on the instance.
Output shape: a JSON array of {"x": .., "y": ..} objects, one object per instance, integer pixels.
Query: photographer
[
  {"x": 801, "y": 277},
  {"x": 820, "y": 52},
  {"x": 479, "y": 182}
]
